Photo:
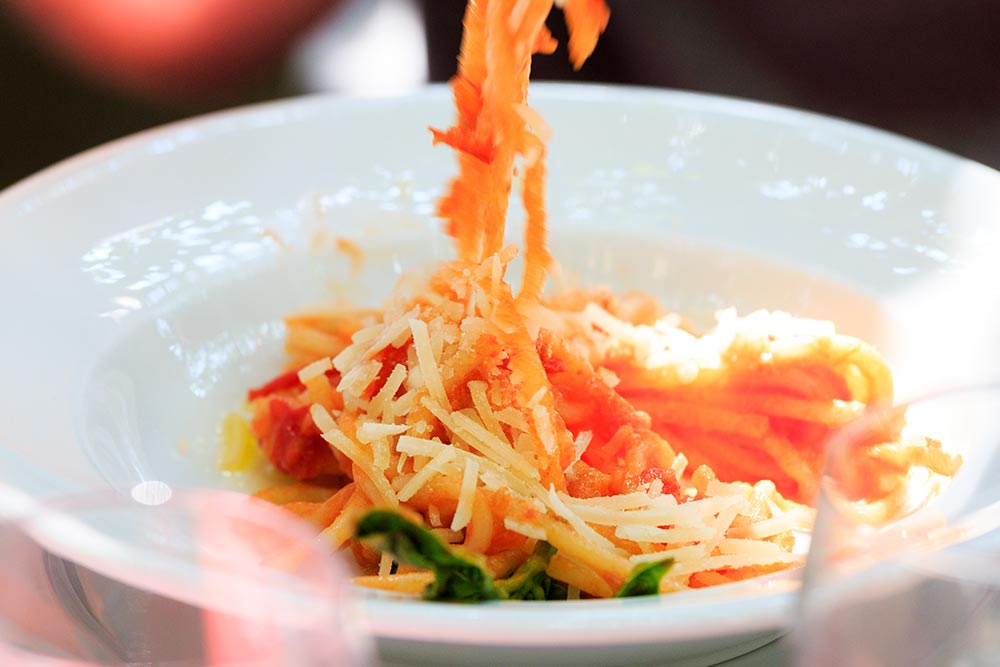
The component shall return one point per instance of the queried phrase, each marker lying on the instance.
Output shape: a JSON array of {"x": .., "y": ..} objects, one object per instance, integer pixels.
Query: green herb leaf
[
  {"x": 456, "y": 579},
  {"x": 529, "y": 581},
  {"x": 645, "y": 579}
]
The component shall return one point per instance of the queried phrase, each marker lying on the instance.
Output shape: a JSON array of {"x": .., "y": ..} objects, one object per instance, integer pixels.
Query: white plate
[{"x": 142, "y": 293}]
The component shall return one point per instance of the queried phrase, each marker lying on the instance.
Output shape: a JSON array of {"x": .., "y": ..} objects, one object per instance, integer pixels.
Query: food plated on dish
[{"x": 551, "y": 447}]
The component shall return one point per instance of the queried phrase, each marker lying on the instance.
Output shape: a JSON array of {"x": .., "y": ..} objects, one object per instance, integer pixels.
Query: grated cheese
[
  {"x": 679, "y": 466},
  {"x": 381, "y": 456},
  {"x": 731, "y": 561},
  {"x": 414, "y": 446},
  {"x": 477, "y": 391},
  {"x": 581, "y": 527},
  {"x": 679, "y": 515},
  {"x": 336, "y": 438},
  {"x": 679, "y": 554},
  {"x": 512, "y": 418},
  {"x": 315, "y": 370},
  {"x": 428, "y": 364},
  {"x": 434, "y": 516},
  {"x": 482, "y": 440},
  {"x": 433, "y": 467},
  {"x": 396, "y": 334},
  {"x": 380, "y": 405},
  {"x": 627, "y": 501},
  {"x": 385, "y": 565},
  {"x": 580, "y": 444},
  {"x": 489, "y": 471},
  {"x": 321, "y": 418},
  {"x": 655, "y": 534},
  {"x": 537, "y": 397},
  {"x": 529, "y": 530},
  {"x": 404, "y": 404},
  {"x": 373, "y": 431},
  {"x": 717, "y": 488},
  {"x": 760, "y": 548},
  {"x": 608, "y": 377},
  {"x": 366, "y": 334},
  {"x": 355, "y": 381},
  {"x": 463, "y": 510},
  {"x": 794, "y": 519},
  {"x": 543, "y": 427},
  {"x": 722, "y": 522},
  {"x": 491, "y": 481},
  {"x": 497, "y": 448}
]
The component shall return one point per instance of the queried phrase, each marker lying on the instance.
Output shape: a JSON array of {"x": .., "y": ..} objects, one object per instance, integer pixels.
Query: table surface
[{"x": 775, "y": 654}]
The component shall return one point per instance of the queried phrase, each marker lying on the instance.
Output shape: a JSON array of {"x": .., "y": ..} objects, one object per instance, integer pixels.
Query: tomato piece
[
  {"x": 293, "y": 443},
  {"x": 280, "y": 383}
]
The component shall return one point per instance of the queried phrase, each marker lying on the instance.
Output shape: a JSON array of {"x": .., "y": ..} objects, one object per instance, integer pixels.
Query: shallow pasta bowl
[{"x": 143, "y": 285}]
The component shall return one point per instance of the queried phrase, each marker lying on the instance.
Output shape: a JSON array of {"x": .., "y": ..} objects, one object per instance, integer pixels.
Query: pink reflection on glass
[{"x": 197, "y": 578}]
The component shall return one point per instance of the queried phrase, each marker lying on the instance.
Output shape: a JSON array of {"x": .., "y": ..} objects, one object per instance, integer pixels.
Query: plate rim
[{"x": 238, "y": 117}]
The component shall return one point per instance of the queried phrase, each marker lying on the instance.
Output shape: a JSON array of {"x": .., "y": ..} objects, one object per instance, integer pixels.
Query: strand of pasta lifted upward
[{"x": 599, "y": 424}]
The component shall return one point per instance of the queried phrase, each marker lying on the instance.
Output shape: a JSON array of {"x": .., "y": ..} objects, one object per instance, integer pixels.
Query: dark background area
[{"x": 923, "y": 68}]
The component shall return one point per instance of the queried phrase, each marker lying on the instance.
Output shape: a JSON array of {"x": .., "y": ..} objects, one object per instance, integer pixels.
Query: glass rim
[
  {"x": 880, "y": 410},
  {"x": 923, "y": 527},
  {"x": 59, "y": 525}
]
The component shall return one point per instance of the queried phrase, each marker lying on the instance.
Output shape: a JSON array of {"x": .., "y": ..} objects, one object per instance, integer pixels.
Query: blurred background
[{"x": 77, "y": 73}]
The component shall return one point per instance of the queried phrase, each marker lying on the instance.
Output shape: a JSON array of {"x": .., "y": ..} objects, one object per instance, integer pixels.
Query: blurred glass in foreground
[
  {"x": 204, "y": 578},
  {"x": 923, "y": 589}
]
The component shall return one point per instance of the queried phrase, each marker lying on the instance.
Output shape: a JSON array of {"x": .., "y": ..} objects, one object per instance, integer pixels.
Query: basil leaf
[
  {"x": 645, "y": 579},
  {"x": 456, "y": 579},
  {"x": 529, "y": 581}
]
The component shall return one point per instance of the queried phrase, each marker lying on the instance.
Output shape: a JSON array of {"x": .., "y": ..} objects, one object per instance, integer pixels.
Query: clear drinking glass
[
  {"x": 192, "y": 578},
  {"x": 923, "y": 589}
]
